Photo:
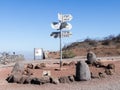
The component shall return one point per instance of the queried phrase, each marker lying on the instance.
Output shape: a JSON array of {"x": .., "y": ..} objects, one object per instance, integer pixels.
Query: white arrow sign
[
  {"x": 56, "y": 25},
  {"x": 66, "y": 33},
  {"x": 68, "y": 26},
  {"x": 55, "y": 34},
  {"x": 64, "y": 17}
]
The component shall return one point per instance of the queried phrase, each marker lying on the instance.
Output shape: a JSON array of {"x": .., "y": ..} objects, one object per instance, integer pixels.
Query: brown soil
[{"x": 110, "y": 82}]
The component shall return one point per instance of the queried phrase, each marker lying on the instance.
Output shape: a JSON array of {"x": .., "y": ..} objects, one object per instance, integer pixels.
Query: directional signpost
[{"x": 62, "y": 25}]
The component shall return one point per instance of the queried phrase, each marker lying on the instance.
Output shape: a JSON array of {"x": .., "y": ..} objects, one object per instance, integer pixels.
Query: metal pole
[
  {"x": 34, "y": 54},
  {"x": 60, "y": 48},
  {"x": 61, "y": 43}
]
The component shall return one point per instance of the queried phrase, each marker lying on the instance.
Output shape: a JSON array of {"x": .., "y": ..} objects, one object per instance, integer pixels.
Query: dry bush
[{"x": 68, "y": 54}]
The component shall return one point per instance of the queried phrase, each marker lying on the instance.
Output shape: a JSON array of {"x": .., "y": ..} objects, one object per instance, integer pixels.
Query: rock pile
[
  {"x": 102, "y": 69},
  {"x": 23, "y": 74}
]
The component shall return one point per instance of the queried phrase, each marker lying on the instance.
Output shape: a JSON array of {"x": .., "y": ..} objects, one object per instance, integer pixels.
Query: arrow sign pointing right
[
  {"x": 68, "y": 26},
  {"x": 64, "y": 17}
]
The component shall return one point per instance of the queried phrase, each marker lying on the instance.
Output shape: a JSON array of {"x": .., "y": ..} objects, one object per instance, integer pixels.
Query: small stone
[
  {"x": 109, "y": 71},
  {"x": 31, "y": 66},
  {"x": 101, "y": 75},
  {"x": 54, "y": 80},
  {"x": 64, "y": 79}
]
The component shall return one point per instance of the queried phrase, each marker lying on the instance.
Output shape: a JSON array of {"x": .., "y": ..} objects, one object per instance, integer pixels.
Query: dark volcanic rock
[
  {"x": 35, "y": 81},
  {"x": 10, "y": 79},
  {"x": 110, "y": 66},
  {"x": 38, "y": 66}
]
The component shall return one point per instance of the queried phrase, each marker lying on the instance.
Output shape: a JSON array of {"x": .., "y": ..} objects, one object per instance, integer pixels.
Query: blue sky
[{"x": 25, "y": 24}]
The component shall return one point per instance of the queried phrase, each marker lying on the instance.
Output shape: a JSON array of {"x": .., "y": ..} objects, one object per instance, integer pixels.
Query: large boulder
[
  {"x": 18, "y": 68},
  {"x": 82, "y": 71},
  {"x": 19, "y": 74},
  {"x": 91, "y": 57}
]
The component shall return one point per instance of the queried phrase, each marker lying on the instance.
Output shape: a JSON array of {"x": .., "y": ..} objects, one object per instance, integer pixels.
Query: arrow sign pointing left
[
  {"x": 55, "y": 34},
  {"x": 56, "y": 25}
]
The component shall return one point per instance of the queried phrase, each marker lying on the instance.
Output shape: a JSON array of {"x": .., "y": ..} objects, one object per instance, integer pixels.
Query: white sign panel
[
  {"x": 66, "y": 33},
  {"x": 68, "y": 27},
  {"x": 64, "y": 17},
  {"x": 59, "y": 16},
  {"x": 55, "y": 25},
  {"x": 38, "y": 52}
]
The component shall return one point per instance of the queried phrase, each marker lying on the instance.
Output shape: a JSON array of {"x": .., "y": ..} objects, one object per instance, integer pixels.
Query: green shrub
[{"x": 68, "y": 54}]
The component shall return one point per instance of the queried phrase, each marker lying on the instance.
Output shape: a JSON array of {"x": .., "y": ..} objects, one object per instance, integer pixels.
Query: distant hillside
[{"x": 109, "y": 46}]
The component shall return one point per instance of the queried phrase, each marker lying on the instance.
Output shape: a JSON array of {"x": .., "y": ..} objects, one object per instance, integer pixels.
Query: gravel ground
[{"x": 111, "y": 82}]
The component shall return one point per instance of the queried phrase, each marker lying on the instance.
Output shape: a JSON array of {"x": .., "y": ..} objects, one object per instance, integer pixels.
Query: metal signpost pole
[
  {"x": 61, "y": 42},
  {"x": 34, "y": 53},
  {"x": 60, "y": 48}
]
